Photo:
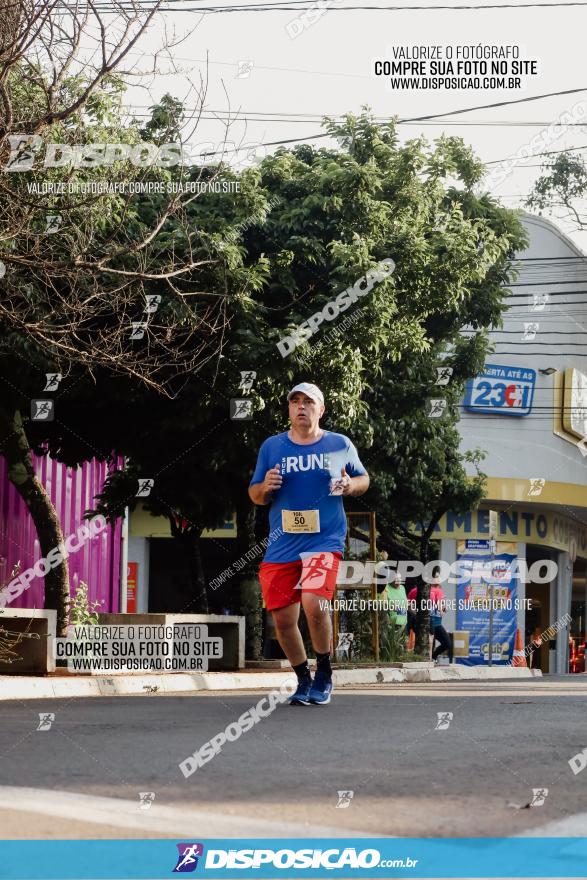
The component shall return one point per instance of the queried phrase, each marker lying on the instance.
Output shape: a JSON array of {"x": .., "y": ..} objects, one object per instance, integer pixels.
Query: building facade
[{"x": 528, "y": 412}]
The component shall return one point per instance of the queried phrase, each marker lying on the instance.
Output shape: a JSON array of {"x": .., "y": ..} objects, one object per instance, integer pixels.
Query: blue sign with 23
[{"x": 501, "y": 390}]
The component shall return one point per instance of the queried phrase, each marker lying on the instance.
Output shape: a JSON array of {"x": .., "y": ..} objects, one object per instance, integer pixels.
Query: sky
[{"x": 286, "y": 84}]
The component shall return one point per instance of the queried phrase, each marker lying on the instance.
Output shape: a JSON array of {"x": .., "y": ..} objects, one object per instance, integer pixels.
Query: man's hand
[
  {"x": 261, "y": 493},
  {"x": 273, "y": 479},
  {"x": 345, "y": 481},
  {"x": 354, "y": 485}
]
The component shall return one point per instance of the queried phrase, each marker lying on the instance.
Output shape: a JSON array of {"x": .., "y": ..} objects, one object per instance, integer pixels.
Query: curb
[{"x": 25, "y": 688}]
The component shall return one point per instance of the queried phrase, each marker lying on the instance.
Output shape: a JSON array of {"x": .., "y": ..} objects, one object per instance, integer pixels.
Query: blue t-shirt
[{"x": 306, "y": 469}]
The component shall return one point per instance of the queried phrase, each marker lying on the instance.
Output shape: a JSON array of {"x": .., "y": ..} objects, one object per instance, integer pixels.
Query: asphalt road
[{"x": 82, "y": 777}]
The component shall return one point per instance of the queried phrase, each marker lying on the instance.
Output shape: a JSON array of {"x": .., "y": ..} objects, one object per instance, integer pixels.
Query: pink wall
[{"x": 72, "y": 492}]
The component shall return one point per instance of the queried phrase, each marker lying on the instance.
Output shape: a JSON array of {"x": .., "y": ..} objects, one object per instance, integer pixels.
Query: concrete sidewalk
[{"x": 64, "y": 687}]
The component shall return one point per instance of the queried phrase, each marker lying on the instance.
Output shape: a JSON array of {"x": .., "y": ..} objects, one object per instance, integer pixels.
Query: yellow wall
[
  {"x": 143, "y": 525},
  {"x": 529, "y": 523}
]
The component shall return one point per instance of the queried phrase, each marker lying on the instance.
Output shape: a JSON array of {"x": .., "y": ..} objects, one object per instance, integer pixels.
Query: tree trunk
[
  {"x": 422, "y": 644},
  {"x": 188, "y": 540},
  {"x": 251, "y": 605},
  {"x": 198, "y": 578},
  {"x": 21, "y": 474}
]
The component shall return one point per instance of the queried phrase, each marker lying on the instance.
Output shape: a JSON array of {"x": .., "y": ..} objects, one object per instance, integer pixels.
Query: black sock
[
  {"x": 323, "y": 663},
  {"x": 302, "y": 670}
]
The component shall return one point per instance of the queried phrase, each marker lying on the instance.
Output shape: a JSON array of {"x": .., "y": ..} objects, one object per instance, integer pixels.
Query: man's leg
[
  {"x": 290, "y": 639},
  {"x": 288, "y": 633},
  {"x": 318, "y": 617}
]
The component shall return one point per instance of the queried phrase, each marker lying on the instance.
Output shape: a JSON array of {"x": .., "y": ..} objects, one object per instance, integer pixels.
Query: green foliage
[
  {"x": 306, "y": 224},
  {"x": 563, "y": 185},
  {"x": 82, "y": 612}
]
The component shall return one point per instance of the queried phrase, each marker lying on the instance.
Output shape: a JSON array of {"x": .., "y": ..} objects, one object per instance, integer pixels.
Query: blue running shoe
[
  {"x": 321, "y": 689},
  {"x": 301, "y": 696}
]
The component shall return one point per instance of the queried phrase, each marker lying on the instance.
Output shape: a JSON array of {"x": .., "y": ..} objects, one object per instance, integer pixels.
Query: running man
[{"x": 304, "y": 474}]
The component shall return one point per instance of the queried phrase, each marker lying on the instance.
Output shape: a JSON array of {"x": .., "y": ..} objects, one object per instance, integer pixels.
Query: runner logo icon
[
  {"x": 315, "y": 569},
  {"x": 187, "y": 860}
]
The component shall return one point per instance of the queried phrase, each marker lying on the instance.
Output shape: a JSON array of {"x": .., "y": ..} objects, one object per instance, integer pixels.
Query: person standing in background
[
  {"x": 397, "y": 601},
  {"x": 438, "y": 606}
]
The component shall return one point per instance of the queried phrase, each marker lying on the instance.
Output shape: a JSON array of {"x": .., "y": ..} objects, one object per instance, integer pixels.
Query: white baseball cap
[{"x": 310, "y": 390}]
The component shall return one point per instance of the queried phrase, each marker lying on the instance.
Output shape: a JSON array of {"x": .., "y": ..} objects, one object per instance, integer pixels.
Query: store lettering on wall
[{"x": 537, "y": 527}]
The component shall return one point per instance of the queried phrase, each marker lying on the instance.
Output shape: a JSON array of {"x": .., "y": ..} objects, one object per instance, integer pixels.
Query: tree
[
  {"x": 562, "y": 188},
  {"x": 337, "y": 212},
  {"x": 327, "y": 217},
  {"x": 78, "y": 257}
]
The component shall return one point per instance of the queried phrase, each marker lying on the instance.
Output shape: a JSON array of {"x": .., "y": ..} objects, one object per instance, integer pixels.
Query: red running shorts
[{"x": 282, "y": 582}]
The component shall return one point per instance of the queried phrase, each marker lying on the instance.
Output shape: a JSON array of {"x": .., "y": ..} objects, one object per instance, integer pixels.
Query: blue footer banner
[{"x": 352, "y": 857}]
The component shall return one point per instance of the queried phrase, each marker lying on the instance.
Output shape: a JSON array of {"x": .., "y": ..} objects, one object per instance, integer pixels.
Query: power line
[
  {"x": 540, "y": 353},
  {"x": 549, "y": 259},
  {"x": 542, "y": 333},
  {"x": 432, "y": 116},
  {"x": 544, "y": 153},
  {"x": 277, "y": 7},
  {"x": 546, "y": 284}
]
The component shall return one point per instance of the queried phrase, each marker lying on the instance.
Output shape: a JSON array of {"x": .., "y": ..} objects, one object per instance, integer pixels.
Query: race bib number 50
[{"x": 294, "y": 521}]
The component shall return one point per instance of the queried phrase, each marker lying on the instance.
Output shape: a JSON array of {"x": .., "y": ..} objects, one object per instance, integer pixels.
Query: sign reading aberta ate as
[{"x": 501, "y": 390}]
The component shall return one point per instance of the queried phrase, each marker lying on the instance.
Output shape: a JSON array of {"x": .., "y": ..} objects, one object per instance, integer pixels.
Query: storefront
[
  {"x": 157, "y": 571},
  {"x": 539, "y": 561},
  {"x": 528, "y": 411}
]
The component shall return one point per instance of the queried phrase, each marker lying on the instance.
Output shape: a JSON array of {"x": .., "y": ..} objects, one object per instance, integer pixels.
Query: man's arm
[
  {"x": 258, "y": 494},
  {"x": 262, "y": 493},
  {"x": 355, "y": 485},
  {"x": 359, "y": 485}
]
